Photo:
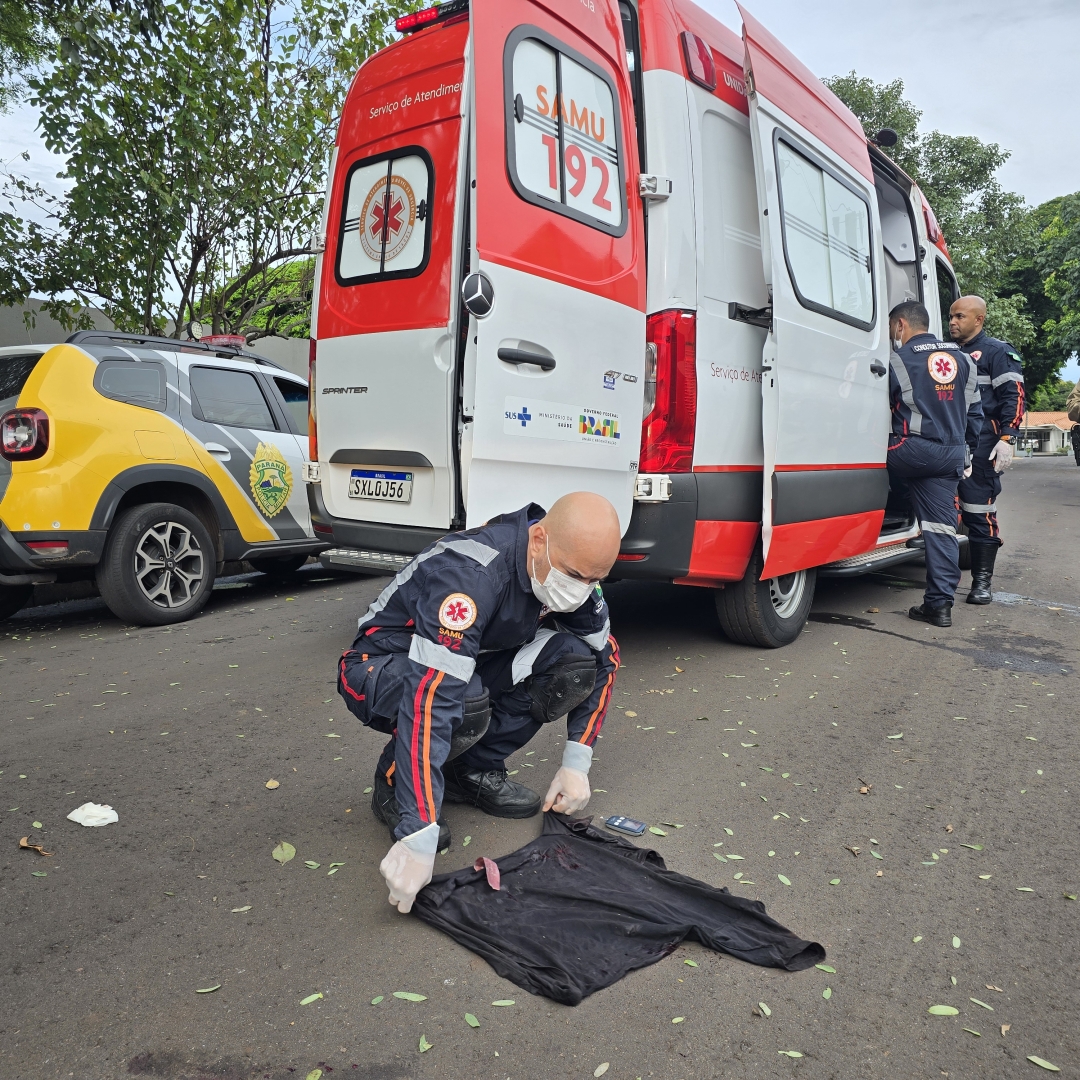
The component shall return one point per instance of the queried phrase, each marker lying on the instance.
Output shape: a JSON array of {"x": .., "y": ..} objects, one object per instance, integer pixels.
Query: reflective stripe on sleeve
[
  {"x": 984, "y": 380},
  {"x": 526, "y": 656},
  {"x": 441, "y": 658},
  {"x": 1007, "y": 376},
  {"x": 595, "y": 641}
]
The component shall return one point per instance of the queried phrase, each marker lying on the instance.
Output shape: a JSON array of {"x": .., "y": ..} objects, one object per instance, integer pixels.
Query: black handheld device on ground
[{"x": 625, "y": 825}]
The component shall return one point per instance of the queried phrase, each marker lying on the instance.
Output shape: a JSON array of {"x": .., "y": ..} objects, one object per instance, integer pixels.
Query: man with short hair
[
  {"x": 1001, "y": 383},
  {"x": 935, "y": 411},
  {"x": 483, "y": 638}
]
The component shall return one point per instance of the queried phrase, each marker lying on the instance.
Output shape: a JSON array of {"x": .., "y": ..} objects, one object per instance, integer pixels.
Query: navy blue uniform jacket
[
  {"x": 1001, "y": 383},
  {"x": 468, "y": 593},
  {"x": 933, "y": 393}
]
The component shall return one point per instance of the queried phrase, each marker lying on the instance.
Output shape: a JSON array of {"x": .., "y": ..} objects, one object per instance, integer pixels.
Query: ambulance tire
[
  {"x": 766, "y": 614},
  {"x": 13, "y": 598},
  {"x": 131, "y": 583},
  {"x": 278, "y": 565}
]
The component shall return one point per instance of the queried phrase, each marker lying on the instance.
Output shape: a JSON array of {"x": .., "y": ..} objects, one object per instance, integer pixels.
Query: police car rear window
[
  {"x": 14, "y": 371},
  {"x": 136, "y": 382},
  {"x": 233, "y": 398}
]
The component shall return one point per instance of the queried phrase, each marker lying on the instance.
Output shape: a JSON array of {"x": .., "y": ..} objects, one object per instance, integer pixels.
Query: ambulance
[{"x": 610, "y": 245}]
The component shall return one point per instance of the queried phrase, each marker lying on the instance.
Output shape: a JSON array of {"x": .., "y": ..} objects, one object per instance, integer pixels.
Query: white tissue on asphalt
[{"x": 93, "y": 813}]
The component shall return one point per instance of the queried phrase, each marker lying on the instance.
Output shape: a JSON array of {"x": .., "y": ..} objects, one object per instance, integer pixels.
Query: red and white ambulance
[{"x": 609, "y": 245}]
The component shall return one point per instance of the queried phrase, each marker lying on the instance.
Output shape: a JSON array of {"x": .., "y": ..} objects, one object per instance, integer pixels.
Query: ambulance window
[
  {"x": 826, "y": 227},
  {"x": 136, "y": 382},
  {"x": 233, "y": 398},
  {"x": 948, "y": 292},
  {"x": 386, "y": 219},
  {"x": 563, "y": 139}
]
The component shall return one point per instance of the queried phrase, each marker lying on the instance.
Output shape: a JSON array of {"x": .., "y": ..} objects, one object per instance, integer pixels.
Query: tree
[
  {"x": 24, "y": 41},
  {"x": 1052, "y": 396},
  {"x": 1059, "y": 260},
  {"x": 197, "y": 154}
]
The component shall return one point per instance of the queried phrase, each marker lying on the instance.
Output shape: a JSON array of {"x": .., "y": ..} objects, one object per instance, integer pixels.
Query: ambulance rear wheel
[
  {"x": 13, "y": 597},
  {"x": 158, "y": 566},
  {"x": 766, "y": 614}
]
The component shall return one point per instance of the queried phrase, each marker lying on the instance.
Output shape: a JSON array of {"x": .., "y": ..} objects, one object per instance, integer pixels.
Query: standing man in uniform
[
  {"x": 482, "y": 639},
  {"x": 936, "y": 421},
  {"x": 1001, "y": 382}
]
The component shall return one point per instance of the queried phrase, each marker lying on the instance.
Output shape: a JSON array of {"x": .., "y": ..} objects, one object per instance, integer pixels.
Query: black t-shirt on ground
[{"x": 579, "y": 908}]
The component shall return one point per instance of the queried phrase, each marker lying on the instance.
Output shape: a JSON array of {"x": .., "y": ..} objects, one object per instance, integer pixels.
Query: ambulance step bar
[
  {"x": 889, "y": 553},
  {"x": 380, "y": 562}
]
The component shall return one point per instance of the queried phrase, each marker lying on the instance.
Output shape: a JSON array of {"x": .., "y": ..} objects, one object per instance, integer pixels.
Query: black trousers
[
  {"x": 927, "y": 473},
  {"x": 978, "y": 495}
]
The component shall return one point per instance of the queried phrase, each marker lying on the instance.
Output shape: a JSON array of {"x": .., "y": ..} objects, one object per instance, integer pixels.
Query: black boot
[
  {"x": 936, "y": 616},
  {"x": 982, "y": 570},
  {"x": 492, "y": 791},
  {"x": 384, "y": 806}
]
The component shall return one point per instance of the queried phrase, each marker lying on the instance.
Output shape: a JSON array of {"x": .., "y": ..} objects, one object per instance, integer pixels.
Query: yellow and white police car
[{"x": 148, "y": 463}]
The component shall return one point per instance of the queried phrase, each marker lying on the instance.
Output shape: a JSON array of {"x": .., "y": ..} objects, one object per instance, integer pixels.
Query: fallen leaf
[
  {"x": 1023, "y": 889},
  {"x": 729, "y": 832},
  {"x": 209, "y": 989},
  {"x": 1068, "y": 895},
  {"x": 1043, "y": 1063},
  {"x": 827, "y": 993},
  {"x": 873, "y": 610},
  {"x": 877, "y": 855},
  {"x": 25, "y": 843},
  {"x": 271, "y": 784},
  {"x": 315, "y": 1074},
  {"x": 982, "y": 1003},
  {"x": 690, "y": 963},
  {"x": 991, "y": 986},
  {"x": 677, "y": 1019},
  {"x": 471, "y": 1020},
  {"x": 717, "y": 855},
  {"x": 311, "y": 864},
  {"x": 826, "y": 967},
  {"x": 835, "y": 881},
  {"x": 916, "y": 939},
  {"x": 310, "y": 998},
  {"x": 790, "y": 1053},
  {"x": 948, "y": 828},
  {"x": 36, "y": 824},
  {"x": 236, "y": 910},
  {"x": 671, "y": 824},
  {"x": 1004, "y": 1028},
  {"x": 38, "y": 873},
  {"x": 406, "y": 996},
  {"x": 985, "y": 877},
  {"x": 630, "y": 713},
  {"x": 783, "y": 880},
  {"x": 943, "y": 1010},
  {"x": 504, "y": 1001},
  {"x": 956, "y": 943},
  {"x": 974, "y": 1032},
  {"x": 737, "y": 858},
  {"x": 376, "y": 1000},
  {"x": 332, "y": 735},
  {"x": 974, "y": 847},
  {"x": 466, "y": 842},
  {"x": 425, "y": 1046},
  {"x": 605, "y": 1065},
  {"x": 656, "y": 832},
  {"x": 764, "y": 1008},
  {"x": 679, "y": 670},
  {"x": 748, "y": 744},
  {"x": 900, "y": 736},
  {"x": 283, "y": 852},
  {"x": 335, "y": 865},
  {"x": 368, "y": 791}
]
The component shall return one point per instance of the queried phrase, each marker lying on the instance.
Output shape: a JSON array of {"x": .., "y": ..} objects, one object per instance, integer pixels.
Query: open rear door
[
  {"x": 554, "y": 370},
  {"x": 825, "y": 388}
]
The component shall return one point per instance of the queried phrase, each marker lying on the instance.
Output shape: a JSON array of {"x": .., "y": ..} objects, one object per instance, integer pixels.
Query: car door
[
  {"x": 824, "y": 386},
  {"x": 554, "y": 369},
  {"x": 231, "y": 414}
]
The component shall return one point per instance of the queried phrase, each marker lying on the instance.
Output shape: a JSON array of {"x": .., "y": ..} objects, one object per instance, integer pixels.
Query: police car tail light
[
  {"x": 24, "y": 434},
  {"x": 312, "y": 429},
  {"x": 667, "y": 432}
]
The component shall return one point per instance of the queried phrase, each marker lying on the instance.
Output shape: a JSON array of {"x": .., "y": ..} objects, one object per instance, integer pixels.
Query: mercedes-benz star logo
[{"x": 478, "y": 295}]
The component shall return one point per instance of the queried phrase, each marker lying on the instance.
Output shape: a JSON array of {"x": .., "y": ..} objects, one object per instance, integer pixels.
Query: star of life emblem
[
  {"x": 390, "y": 214},
  {"x": 457, "y": 612},
  {"x": 942, "y": 367}
]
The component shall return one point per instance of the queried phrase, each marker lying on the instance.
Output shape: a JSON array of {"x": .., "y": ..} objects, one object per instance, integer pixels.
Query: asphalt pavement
[{"x": 911, "y": 783}]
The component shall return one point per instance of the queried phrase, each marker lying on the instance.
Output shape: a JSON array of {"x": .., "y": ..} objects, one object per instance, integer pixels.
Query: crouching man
[{"x": 482, "y": 639}]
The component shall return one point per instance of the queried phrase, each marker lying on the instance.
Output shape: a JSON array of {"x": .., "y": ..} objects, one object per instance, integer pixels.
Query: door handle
[
  {"x": 523, "y": 356},
  {"x": 222, "y": 453},
  {"x": 878, "y": 368}
]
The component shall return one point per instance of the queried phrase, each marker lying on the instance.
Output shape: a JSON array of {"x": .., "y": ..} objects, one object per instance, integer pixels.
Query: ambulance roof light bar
[{"x": 418, "y": 20}]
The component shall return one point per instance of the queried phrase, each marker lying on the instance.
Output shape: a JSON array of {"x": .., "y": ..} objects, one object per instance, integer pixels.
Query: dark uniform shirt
[
  {"x": 467, "y": 594},
  {"x": 933, "y": 393},
  {"x": 1001, "y": 383}
]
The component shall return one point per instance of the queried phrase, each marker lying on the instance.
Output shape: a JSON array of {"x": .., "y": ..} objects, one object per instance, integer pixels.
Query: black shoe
[
  {"x": 492, "y": 791},
  {"x": 982, "y": 570},
  {"x": 936, "y": 616},
  {"x": 384, "y": 806}
]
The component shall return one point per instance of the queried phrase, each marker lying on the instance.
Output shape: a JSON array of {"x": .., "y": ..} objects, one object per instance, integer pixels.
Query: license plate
[{"x": 383, "y": 486}]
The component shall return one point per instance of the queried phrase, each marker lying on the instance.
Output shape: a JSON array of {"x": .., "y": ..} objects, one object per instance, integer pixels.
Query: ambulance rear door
[
  {"x": 825, "y": 413},
  {"x": 554, "y": 372}
]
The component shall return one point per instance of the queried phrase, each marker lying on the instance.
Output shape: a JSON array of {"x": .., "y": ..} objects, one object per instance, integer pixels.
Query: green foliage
[
  {"x": 1052, "y": 397},
  {"x": 1059, "y": 261},
  {"x": 24, "y": 42},
  {"x": 197, "y": 144}
]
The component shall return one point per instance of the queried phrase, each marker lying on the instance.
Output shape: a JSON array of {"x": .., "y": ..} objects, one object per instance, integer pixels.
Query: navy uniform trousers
[
  {"x": 505, "y": 675},
  {"x": 927, "y": 473},
  {"x": 979, "y": 492}
]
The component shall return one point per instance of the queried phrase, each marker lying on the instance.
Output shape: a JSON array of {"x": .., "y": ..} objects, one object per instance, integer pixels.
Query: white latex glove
[
  {"x": 967, "y": 471},
  {"x": 569, "y": 791},
  {"x": 1002, "y": 456},
  {"x": 408, "y": 866}
]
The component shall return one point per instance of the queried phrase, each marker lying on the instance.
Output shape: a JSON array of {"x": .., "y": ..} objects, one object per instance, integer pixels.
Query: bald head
[
  {"x": 966, "y": 318},
  {"x": 580, "y": 535}
]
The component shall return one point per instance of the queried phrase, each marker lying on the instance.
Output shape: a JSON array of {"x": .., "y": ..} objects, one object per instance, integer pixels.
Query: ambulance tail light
[
  {"x": 667, "y": 432},
  {"x": 699, "y": 60},
  {"x": 312, "y": 429},
  {"x": 417, "y": 20},
  {"x": 933, "y": 229},
  {"x": 24, "y": 434}
]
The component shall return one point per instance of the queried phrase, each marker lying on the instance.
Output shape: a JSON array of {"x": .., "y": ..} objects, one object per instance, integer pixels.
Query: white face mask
[{"x": 559, "y": 591}]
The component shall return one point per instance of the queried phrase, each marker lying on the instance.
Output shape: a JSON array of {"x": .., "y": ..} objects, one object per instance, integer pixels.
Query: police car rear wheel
[
  {"x": 158, "y": 566},
  {"x": 767, "y": 614}
]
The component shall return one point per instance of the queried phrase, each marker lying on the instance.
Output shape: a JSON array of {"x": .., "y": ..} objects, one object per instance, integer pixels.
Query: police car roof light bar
[
  {"x": 103, "y": 337},
  {"x": 417, "y": 20}
]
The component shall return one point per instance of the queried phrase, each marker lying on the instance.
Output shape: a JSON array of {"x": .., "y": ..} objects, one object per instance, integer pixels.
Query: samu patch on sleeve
[{"x": 457, "y": 612}]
